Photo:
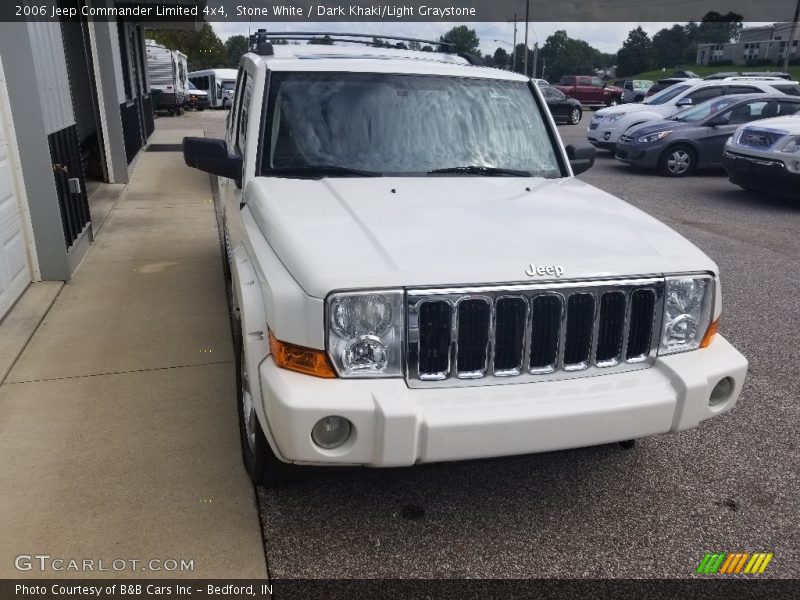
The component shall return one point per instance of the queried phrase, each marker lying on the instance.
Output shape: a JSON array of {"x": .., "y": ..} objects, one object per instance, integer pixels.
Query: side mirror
[
  {"x": 605, "y": 84},
  {"x": 581, "y": 157},
  {"x": 684, "y": 102},
  {"x": 211, "y": 155},
  {"x": 719, "y": 121}
]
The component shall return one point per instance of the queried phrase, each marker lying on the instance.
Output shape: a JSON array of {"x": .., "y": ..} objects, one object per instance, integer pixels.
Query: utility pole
[
  {"x": 544, "y": 60},
  {"x": 514, "y": 47},
  {"x": 535, "y": 57},
  {"x": 527, "y": 18},
  {"x": 791, "y": 38}
]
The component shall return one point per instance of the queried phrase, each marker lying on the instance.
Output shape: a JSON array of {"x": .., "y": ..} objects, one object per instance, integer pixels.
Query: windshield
[
  {"x": 393, "y": 124},
  {"x": 191, "y": 86},
  {"x": 667, "y": 94},
  {"x": 705, "y": 110},
  {"x": 228, "y": 85}
]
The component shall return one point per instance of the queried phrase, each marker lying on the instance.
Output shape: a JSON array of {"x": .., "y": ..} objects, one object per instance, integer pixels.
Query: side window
[
  {"x": 597, "y": 82},
  {"x": 628, "y": 85},
  {"x": 786, "y": 107},
  {"x": 247, "y": 94},
  {"x": 584, "y": 81},
  {"x": 745, "y": 113},
  {"x": 234, "y": 112},
  {"x": 704, "y": 94},
  {"x": 742, "y": 89}
]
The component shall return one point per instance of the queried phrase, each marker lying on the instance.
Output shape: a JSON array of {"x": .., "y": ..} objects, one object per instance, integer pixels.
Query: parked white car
[
  {"x": 608, "y": 124},
  {"x": 418, "y": 276},
  {"x": 765, "y": 156}
]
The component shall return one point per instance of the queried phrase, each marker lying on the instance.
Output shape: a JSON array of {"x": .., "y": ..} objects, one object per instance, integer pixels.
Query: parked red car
[{"x": 590, "y": 90}]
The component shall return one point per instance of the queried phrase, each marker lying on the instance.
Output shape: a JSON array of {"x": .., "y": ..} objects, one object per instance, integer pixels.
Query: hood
[
  {"x": 615, "y": 88},
  {"x": 348, "y": 233},
  {"x": 789, "y": 124},
  {"x": 656, "y": 126},
  {"x": 624, "y": 108}
]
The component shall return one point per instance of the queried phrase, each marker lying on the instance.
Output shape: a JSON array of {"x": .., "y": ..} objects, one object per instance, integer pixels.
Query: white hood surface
[
  {"x": 633, "y": 108},
  {"x": 384, "y": 232}
]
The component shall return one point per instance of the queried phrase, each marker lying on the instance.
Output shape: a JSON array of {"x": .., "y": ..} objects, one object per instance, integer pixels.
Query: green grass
[{"x": 702, "y": 71}]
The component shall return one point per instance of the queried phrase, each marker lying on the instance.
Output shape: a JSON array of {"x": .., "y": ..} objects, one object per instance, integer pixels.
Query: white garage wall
[
  {"x": 51, "y": 75},
  {"x": 15, "y": 272}
]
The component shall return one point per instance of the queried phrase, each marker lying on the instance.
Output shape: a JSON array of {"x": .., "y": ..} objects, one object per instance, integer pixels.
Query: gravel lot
[{"x": 729, "y": 485}]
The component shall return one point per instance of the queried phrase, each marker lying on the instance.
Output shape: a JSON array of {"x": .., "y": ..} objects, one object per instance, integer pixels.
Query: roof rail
[{"x": 261, "y": 41}]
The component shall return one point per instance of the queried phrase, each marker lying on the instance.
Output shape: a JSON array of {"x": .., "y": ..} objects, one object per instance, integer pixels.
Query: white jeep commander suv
[{"x": 418, "y": 276}]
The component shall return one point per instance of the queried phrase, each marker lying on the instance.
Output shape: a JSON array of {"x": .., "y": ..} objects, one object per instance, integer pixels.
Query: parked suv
[
  {"x": 634, "y": 90},
  {"x": 765, "y": 156},
  {"x": 590, "y": 90},
  {"x": 417, "y": 275},
  {"x": 608, "y": 124}
]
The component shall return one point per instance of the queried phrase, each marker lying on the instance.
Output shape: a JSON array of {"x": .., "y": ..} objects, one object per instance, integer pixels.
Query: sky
[{"x": 606, "y": 37}]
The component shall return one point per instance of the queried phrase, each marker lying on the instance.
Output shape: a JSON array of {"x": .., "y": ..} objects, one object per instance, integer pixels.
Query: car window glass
[
  {"x": 704, "y": 94},
  {"x": 789, "y": 90},
  {"x": 667, "y": 94},
  {"x": 786, "y": 107},
  {"x": 584, "y": 81},
  {"x": 233, "y": 115},
  {"x": 597, "y": 82},
  {"x": 704, "y": 109},
  {"x": 247, "y": 94},
  {"x": 628, "y": 85},
  {"x": 744, "y": 113},
  {"x": 742, "y": 89}
]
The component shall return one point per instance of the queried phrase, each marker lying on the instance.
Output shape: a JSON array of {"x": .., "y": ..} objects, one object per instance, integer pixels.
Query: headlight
[
  {"x": 688, "y": 307},
  {"x": 365, "y": 333},
  {"x": 653, "y": 137},
  {"x": 793, "y": 145},
  {"x": 613, "y": 118}
]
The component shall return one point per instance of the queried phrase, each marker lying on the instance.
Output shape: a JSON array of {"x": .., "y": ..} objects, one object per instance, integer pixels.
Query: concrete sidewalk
[{"x": 118, "y": 426}]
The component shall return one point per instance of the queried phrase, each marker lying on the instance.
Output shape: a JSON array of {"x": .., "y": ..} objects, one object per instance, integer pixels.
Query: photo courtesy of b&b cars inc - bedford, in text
[{"x": 405, "y": 300}]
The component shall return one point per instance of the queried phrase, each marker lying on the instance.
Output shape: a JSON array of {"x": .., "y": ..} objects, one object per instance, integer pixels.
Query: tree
[
  {"x": 464, "y": 39},
  {"x": 564, "y": 55},
  {"x": 325, "y": 40},
  {"x": 636, "y": 54},
  {"x": 669, "y": 46},
  {"x": 501, "y": 59},
  {"x": 235, "y": 47},
  {"x": 719, "y": 29},
  {"x": 203, "y": 49}
]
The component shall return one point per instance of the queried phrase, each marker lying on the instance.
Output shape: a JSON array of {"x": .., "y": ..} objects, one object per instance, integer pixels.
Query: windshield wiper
[
  {"x": 319, "y": 171},
  {"x": 479, "y": 170}
]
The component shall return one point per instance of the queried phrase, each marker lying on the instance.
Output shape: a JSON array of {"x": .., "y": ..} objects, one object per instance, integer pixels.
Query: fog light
[
  {"x": 331, "y": 432},
  {"x": 606, "y": 135},
  {"x": 721, "y": 392}
]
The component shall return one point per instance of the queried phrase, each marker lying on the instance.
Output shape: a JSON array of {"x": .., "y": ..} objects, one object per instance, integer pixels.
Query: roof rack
[{"x": 261, "y": 41}]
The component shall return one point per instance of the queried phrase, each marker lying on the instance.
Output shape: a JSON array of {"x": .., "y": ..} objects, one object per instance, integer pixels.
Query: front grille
[
  {"x": 515, "y": 334},
  {"x": 756, "y": 138}
]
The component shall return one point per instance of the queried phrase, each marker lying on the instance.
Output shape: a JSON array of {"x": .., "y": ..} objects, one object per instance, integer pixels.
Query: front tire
[
  {"x": 677, "y": 161},
  {"x": 261, "y": 464},
  {"x": 575, "y": 116},
  {"x": 612, "y": 101}
]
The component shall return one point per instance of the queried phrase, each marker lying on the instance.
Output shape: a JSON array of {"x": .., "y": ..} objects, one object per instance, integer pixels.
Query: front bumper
[
  {"x": 638, "y": 154},
  {"x": 761, "y": 173},
  {"x": 397, "y": 426},
  {"x": 600, "y": 135}
]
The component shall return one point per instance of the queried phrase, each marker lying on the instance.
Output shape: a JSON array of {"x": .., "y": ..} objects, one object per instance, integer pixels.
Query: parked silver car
[{"x": 695, "y": 138}]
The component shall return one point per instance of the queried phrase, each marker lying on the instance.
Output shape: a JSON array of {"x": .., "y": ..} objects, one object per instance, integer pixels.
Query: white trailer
[
  {"x": 166, "y": 72},
  {"x": 219, "y": 83}
]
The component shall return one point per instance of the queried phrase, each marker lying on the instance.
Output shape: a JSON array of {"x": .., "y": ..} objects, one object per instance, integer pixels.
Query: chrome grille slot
[
  {"x": 509, "y": 335},
  {"x": 525, "y": 333},
  {"x": 641, "y": 324},
  {"x": 578, "y": 337},
  {"x": 473, "y": 337},
  {"x": 545, "y": 325},
  {"x": 434, "y": 340},
  {"x": 610, "y": 329}
]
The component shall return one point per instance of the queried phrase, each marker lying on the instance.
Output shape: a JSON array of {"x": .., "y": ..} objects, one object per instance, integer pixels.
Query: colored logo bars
[{"x": 734, "y": 562}]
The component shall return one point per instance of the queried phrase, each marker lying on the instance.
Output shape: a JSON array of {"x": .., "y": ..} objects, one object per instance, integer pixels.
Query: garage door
[{"x": 14, "y": 271}]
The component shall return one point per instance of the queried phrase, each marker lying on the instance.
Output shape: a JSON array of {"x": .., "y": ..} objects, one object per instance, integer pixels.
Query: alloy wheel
[{"x": 575, "y": 116}]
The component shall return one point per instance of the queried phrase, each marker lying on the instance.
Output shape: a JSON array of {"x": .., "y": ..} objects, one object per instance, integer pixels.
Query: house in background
[
  {"x": 754, "y": 43},
  {"x": 75, "y": 110}
]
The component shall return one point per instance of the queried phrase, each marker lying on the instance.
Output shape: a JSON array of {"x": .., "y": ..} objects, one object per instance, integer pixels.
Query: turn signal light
[
  {"x": 710, "y": 333},
  {"x": 298, "y": 358}
]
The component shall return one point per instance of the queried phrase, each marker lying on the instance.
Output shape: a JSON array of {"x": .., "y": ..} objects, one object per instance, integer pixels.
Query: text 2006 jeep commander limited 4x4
[{"x": 418, "y": 276}]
